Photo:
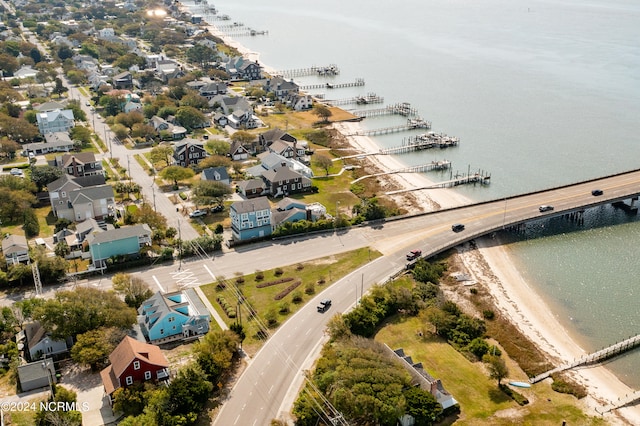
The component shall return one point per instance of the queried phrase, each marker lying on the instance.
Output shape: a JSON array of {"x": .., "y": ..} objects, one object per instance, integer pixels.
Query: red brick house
[{"x": 134, "y": 362}]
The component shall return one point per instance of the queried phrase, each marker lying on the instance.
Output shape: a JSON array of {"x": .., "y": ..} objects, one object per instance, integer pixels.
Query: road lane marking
[
  {"x": 237, "y": 418},
  {"x": 157, "y": 283},
  {"x": 270, "y": 389},
  {"x": 209, "y": 271}
]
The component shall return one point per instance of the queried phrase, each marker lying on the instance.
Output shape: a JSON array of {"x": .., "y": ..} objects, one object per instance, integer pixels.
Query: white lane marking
[
  {"x": 157, "y": 283},
  {"x": 209, "y": 271}
]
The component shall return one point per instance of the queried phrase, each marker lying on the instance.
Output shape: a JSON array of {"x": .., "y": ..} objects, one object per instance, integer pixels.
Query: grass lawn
[
  {"x": 262, "y": 299},
  {"x": 481, "y": 402}
]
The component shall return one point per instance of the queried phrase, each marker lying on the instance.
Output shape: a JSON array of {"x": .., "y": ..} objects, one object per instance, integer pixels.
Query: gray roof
[
  {"x": 14, "y": 243},
  {"x": 79, "y": 182},
  {"x": 215, "y": 174},
  {"x": 119, "y": 234},
  {"x": 251, "y": 184},
  {"x": 283, "y": 173},
  {"x": 92, "y": 193},
  {"x": 257, "y": 204},
  {"x": 88, "y": 225}
]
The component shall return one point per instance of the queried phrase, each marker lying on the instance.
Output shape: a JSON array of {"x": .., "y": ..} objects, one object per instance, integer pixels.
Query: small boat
[{"x": 520, "y": 384}]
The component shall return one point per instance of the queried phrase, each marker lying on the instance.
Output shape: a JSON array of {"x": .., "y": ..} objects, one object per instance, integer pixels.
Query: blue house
[
  {"x": 250, "y": 219},
  {"x": 173, "y": 316},
  {"x": 289, "y": 210},
  {"x": 125, "y": 241}
]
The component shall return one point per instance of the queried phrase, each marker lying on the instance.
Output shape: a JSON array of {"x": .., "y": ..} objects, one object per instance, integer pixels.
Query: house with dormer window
[
  {"x": 134, "y": 362},
  {"x": 282, "y": 182},
  {"x": 60, "y": 120},
  {"x": 173, "y": 316},
  {"x": 79, "y": 164},
  {"x": 189, "y": 153},
  {"x": 250, "y": 219}
]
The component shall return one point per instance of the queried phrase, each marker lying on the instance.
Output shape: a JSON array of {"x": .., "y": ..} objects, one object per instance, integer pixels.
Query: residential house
[
  {"x": 289, "y": 210},
  {"x": 228, "y": 104},
  {"x": 162, "y": 125},
  {"x": 167, "y": 69},
  {"x": 79, "y": 164},
  {"x": 106, "y": 33},
  {"x": 53, "y": 142},
  {"x": 212, "y": 89},
  {"x": 220, "y": 119},
  {"x": 85, "y": 62},
  {"x": 250, "y": 219},
  {"x": 238, "y": 152},
  {"x": 36, "y": 343},
  {"x": 281, "y": 88},
  {"x": 251, "y": 188},
  {"x": 299, "y": 102},
  {"x": 25, "y": 72},
  {"x": 132, "y": 106},
  {"x": 124, "y": 80},
  {"x": 189, "y": 153},
  {"x": 243, "y": 119},
  {"x": 278, "y": 141},
  {"x": 36, "y": 375},
  {"x": 271, "y": 160},
  {"x": 134, "y": 362},
  {"x": 60, "y": 120},
  {"x": 216, "y": 174},
  {"x": 124, "y": 241},
  {"x": 240, "y": 68},
  {"x": 81, "y": 198},
  {"x": 15, "y": 249},
  {"x": 173, "y": 316},
  {"x": 283, "y": 181},
  {"x": 50, "y": 106}
]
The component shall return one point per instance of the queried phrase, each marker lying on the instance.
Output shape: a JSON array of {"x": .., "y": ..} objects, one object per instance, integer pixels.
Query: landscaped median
[{"x": 276, "y": 294}]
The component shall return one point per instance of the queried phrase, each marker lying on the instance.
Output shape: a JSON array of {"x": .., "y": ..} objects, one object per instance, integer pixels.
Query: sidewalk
[{"x": 211, "y": 309}]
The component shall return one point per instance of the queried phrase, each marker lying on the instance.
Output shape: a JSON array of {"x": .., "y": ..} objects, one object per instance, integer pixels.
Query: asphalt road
[{"x": 268, "y": 386}]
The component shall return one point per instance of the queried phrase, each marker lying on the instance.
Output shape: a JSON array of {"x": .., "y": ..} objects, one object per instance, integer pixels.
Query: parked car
[
  {"x": 545, "y": 208},
  {"x": 457, "y": 227},
  {"x": 414, "y": 254},
  {"x": 217, "y": 209},
  {"x": 197, "y": 213},
  {"x": 597, "y": 192},
  {"x": 324, "y": 305},
  {"x": 16, "y": 172}
]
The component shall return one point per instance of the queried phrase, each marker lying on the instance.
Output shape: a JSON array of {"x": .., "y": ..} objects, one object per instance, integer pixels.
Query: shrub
[
  {"x": 278, "y": 272},
  {"x": 240, "y": 280},
  {"x": 473, "y": 291},
  {"x": 297, "y": 297},
  {"x": 259, "y": 275},
  {"x": 321, "y": 280},
  {"x": 299, "y": 267},
  {"x": 270, "y": 283},
  {"x": 219, "y": 229},
  {"x": 517, "y": 397},
  {"x": 283, "y": 307},
  {"x": 488, "y": 314},
  {"x": 310, "y": 288},
  {"x": 271, "y": 317},
  {"x": 228, "y": 309},
  {"x": 287, "y": 290}
]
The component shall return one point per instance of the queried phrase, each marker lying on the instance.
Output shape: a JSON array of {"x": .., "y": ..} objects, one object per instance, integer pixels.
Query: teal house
[
  {"x": 180, "y": 315},
  {"x": 125, "y": 241},
  {"x": 250, "y": 219}
]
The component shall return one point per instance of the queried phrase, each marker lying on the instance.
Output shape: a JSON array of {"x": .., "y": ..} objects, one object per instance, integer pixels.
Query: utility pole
[{"x": 179, "y": 246}]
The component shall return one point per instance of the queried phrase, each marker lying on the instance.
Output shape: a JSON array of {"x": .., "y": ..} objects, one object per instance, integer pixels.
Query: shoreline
[{"x": 525, "y": 308}]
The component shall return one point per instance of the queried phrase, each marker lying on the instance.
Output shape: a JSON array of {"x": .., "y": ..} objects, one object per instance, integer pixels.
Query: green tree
[
  {"x": 60, "y": 417},
  {"x": 81, "y": 133},
  {"x": 120, "y": 131},
  {"x": 323, "y": 162},
  {"x": 218, "y": 147},
  {"x": 128, "y": 119},
  {"x": 17, "y": 129},
  {"x": 129, "y": 401},
  {"x": 422, "y": 406},
  {"x": 62, "y": 249},
  {"x": 209, "y": 192},
  {"x": 497, "y": 367},
  {"x": 161, "y": 154},
  {"x": 8, "y": 148},
  {"x": 202, "y": 55},
  {"x": 176, "y": 174},
  {"x": 94, "y": 347},
  {"x": 74, "y": 312},
  {"x": 146, "y": 214},
  {"x": 322, "y": 111},
  {"x": 243, "y": 137},
  {"x": 31, "y": 225},
  {"x": 190, "y": 117},
  {"x": 44, "y": 175},
  {"x": 134, "y": 289}
]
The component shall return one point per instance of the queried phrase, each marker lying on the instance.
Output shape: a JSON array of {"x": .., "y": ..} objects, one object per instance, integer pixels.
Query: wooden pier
[
  {"x": 480, "y": 177},
  {"x": 412, "y": 124},
  {"x": 403, "y": 109},
  {"x": 434, "y": 165},
  {"x": 356, "y": 83},
  {"x": 369, "y": 98},
  {"x": 420, "y": 142},
  {"x": 620, "y": 403},
  {"x": 328, "y": 70},
  {"x": 593, "y": 358}
]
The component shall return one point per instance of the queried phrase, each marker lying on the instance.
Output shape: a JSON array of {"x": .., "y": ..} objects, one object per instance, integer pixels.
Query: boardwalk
[
  {"x": 620, "y": 402},
  {"x": 434, "y": 165},
  {"x": 369, "y": 98},
  {"x": 412, "y": 124},
  {"x": 601, "y": 355},
  {"x": 356, "y": 83},
  {"x": 421, "y": 142},
  {"x": 404, "y": 109},
  {"x": 480, "y": 177},
  {"x": 328, "y": 70}
]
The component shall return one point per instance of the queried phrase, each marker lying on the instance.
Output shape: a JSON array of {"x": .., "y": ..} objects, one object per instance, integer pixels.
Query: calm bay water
[{"x": 540, "y": 93}]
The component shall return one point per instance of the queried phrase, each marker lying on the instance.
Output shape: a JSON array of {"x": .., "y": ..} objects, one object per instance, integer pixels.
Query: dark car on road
[
  {"x": 457, "y": 227},
  {"x": 545, "y": 209},
  {"x": 324, "y": 305},
  {"x": 597, "y": 192}
]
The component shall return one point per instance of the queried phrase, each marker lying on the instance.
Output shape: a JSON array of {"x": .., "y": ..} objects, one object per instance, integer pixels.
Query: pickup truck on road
[{"x": 414, "y": 254}]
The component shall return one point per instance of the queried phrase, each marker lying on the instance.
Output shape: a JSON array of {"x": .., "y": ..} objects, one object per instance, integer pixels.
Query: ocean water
[{"x": 541, "y": 93}]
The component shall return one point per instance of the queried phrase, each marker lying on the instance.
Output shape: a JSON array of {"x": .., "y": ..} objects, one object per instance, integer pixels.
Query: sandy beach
[
  {"x": 491, "y": 266},
  {"x": 511, "y": 293}
]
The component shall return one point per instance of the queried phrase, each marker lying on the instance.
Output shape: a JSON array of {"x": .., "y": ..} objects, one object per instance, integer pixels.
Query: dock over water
[
  {"x": 434, "y": 165},
  {"x": 593, "y": 358},
  {"x": 326, "y": 70},
  {"x": 356, "y": 83}
]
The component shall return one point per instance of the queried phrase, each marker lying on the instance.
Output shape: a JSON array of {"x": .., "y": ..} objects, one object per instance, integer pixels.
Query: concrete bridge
[{"x": 264, "y": 392}]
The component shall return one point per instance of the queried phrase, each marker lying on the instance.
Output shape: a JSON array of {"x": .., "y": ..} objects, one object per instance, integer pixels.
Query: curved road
[{"x": 273, "y": 377}]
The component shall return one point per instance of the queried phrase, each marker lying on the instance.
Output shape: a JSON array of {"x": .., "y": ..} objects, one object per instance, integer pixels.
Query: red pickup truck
[{"x": 414, "y": 254}]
